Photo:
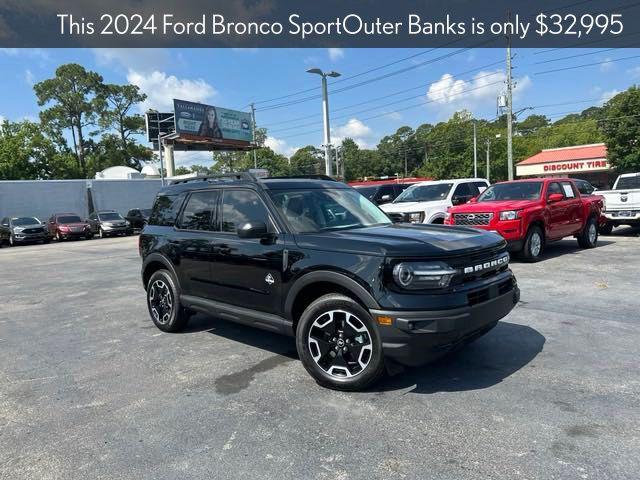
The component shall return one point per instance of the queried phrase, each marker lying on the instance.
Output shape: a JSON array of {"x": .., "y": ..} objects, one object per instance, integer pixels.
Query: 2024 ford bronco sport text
[{"x": 314, "y": 259}]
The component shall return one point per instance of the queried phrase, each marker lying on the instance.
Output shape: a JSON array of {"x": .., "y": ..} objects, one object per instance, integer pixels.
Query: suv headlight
[
  {"x": 423, "y": 275},
  {"x": 510, "y": 215},
  {"x": 18, "y": 230},
  {"x": 415, "y": 217}
]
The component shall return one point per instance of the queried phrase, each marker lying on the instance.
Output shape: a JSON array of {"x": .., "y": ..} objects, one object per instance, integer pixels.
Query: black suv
[{"x": 312, "y": 258}]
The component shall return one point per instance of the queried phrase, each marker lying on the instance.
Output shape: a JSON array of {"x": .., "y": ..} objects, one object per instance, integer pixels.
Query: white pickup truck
[
  {"x": 427, "y": 202},
  {"x": 622, "y": 203}
]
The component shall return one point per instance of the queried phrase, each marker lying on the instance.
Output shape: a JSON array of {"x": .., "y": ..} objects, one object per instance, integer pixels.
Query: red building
[{"x": 588, "y": 162}]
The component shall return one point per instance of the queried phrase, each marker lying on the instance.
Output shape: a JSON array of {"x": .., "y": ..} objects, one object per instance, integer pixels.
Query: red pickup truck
[{"x": 531, "y": 213}]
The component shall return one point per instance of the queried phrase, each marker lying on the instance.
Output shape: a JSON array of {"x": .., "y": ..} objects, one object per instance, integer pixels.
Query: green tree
[
  {"x": 117, "y": 102},
  {"x": 308, "y": 160},
  {"x": 72, "y": 94},
  {"x": 621, "y": 130}
]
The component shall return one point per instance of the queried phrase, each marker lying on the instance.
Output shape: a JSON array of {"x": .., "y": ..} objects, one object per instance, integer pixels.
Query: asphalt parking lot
[{"x": 90, "y": 389}]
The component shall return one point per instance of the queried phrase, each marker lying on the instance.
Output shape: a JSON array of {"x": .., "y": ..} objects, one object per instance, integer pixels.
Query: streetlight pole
[
  {"x": 509, "y": 110},
  {"x": 475, "y": 152},
  {"x": 325, "y": 116}
]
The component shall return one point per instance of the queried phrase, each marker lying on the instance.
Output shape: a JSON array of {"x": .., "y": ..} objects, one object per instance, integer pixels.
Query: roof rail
[
  {"x": 310, "y": 177},
  {"x": 244, "y": 176}
]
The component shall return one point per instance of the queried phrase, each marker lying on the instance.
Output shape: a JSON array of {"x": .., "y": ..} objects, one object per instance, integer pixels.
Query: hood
[
  {"x": 406, "y": 207},
  {"x": 497, "y": 206},
  {"x": 34, "y": 225},
  {"x": 404, "y": 240}
]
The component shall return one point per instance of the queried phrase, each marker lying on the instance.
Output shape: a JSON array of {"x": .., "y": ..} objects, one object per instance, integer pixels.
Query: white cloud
[
  {"x": 456, "y": 94},
  {"x": 606, "y": 65},
  {"x": 186, "y": 159},
  {"x": 161, "y": 89},
  {"x": 138, "y": 59},
  {"x": 354, "y": 129},
  {"x": 335, "y": 54},
  {"x": 395, "y": 116},
  {"x": 280, "y": 146},
  {"x": 28, "y": 77},
  {"x": 608, "y": 95}
]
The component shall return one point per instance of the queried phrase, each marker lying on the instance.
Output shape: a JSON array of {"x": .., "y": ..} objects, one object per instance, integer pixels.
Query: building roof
[{"x": 579, "y": 152}]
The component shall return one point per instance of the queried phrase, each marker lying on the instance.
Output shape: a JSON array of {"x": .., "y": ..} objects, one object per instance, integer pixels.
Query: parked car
[
  {"x": 316, "y": 260},
  {"x": 15, "y": 230},
  {"x": 532, "y": 213},
  {"x": 385, "y": 190},
  {"x": 65, "y": 226},
  {"x": 427, "y": 202},
  {"x": 622, "y": 204},
  {"x": 138, "y": 217},
  {"x": 107, "y": 223}
]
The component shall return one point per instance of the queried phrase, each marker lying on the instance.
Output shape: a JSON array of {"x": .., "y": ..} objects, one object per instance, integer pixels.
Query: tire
[
  {"x": 12, "y": 242},
  {"x": 533, "y": 245},
  {"x": 167, "y": 315},
  {"x": 101, "y": 233},
  {"x": 588, "y": 238},
  {"x": 606, "y": 229},
  {"x": 46, "y": 241},
  {"x": 333, "y": 323},
  {"x": 58, "y": 237}
]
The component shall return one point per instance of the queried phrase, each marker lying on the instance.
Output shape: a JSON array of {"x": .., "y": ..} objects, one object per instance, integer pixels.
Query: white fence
[{"x": 41, "y": 198}]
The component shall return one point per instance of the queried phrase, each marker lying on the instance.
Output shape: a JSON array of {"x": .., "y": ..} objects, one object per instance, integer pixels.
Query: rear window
[
  {"x": 627, "y": 183},
  {"x": 69, "y": 219},
  {"x": 165, "y": 210}
]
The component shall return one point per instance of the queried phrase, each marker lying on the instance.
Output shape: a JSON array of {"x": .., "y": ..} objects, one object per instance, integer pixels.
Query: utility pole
[
  {"x": 160, "y": 154},
  {"x": 325, "y": 116},
  {"x": 475, "y": 151},
  {"x": 406, "y": 173},
  {"x": 253, "y": 131},
  {"x": 509, "y": 108},
  {"x": 488, "y": 150}
]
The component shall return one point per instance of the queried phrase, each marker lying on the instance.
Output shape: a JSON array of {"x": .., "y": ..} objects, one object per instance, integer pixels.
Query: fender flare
[
  {"x": 332, "y": 277},
  {"x": 436, "y": 216},
  {"x": 156, "y": 257}
]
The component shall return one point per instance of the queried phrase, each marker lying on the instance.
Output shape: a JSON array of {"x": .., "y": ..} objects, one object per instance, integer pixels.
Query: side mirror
[
  {"x": 385, "y": 198},
  {"x": 253, "y": 230},
  {"x": 555, "y": 197},
  {"x": 458, "y": 200}
]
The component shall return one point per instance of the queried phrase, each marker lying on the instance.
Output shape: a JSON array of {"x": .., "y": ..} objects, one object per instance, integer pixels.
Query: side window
[
  {"x": 130, "y": 213},
  {"x": 5, "y": 221},
  {"x": 554, "y": 188},
  {"x": 481, "y": 186},
  {"x": 386, "y": 190},
  {"x": 242, "y": 206},
  {"x": 473, "y": 189},
  {"x": 200, "y": 212},
  {"x": 462, "y": 190},
  {"x": 567, "y": 189},
  {"x": 165, "y": 210}
]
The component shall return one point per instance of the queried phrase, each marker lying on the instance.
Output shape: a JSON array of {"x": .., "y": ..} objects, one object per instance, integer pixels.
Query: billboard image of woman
[{"x": 209, "y": 127}]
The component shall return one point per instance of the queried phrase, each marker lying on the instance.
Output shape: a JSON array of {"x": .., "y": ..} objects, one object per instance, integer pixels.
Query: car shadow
[
  {"x": 624, "y": 231},
  {"x": 484, "y": 363},
  {"x": 560, "y": 248},
  {"x": 265, "y": 340},
  {"x": 488, "y": 361}
]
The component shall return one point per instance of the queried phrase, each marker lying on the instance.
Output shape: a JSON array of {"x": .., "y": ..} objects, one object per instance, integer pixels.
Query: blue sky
[{"x": 429, "y": 89}]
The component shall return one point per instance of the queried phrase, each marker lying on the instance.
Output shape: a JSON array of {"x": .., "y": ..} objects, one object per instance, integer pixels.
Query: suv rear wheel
[
  {"x": 163, "y": 302},
  {"x": 339, "y": 344}
]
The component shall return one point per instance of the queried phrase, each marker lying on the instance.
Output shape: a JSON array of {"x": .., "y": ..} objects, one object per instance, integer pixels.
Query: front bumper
[
  {"x": 417, "y": 337},
  {"x": 623, "y": 216},
  {"x": 29, "y": 237},
  {"x": 118, "y": 230}
]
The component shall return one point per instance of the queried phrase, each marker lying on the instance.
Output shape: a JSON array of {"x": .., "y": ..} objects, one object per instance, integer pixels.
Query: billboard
[
  {"x": 213, "y": 123},
  {"x": 158, "y": 123}
]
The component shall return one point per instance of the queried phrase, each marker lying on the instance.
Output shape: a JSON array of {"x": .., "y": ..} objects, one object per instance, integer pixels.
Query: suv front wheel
[
  {"x": 163, "y": 302},
  {"x": 339, "y": 344}
]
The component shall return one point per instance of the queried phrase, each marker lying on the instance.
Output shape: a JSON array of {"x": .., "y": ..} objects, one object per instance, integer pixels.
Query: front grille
[
  {"x": 472, "y": 218},
  {"x": 33, "y": 230},
  {"x": 481, "y": 296}
]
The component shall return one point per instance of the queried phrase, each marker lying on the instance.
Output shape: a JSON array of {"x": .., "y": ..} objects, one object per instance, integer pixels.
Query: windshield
[
  {"x": 69, "y": 219},
  {"x": 627, "y": 183},
  {"x": 425, "y": 193},
  {"x": 110, "y": 216},
  {"x": 368, "y": 192},
  {"x": 320, "y": 210},
  {"x": 512, "y": 191},
  {"x": 25, "y": 221}
]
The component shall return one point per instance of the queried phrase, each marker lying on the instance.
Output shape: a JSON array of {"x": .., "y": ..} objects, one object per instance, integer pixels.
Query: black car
[
  {"x": 138, "y": 217},
  {"x": 107, "y": 223},
  {"x": 314, "y": 259},
  {"x": 15, "y": 230}
]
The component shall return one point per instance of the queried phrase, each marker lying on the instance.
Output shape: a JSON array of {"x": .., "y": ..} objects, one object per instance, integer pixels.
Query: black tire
[
  {"x": 348, "y": 339},
  {"x": 533, "y": 245},
  {"x": 12, "y": 242},
  {"x": 169, "y": 316},
  {"x": 58, "y": 237},
  {"x": 588, "y": 238},
  {"x": 101, "y": 233},
  {"x": 45, "y": 241},
  {"x": 606, "y": 229}
]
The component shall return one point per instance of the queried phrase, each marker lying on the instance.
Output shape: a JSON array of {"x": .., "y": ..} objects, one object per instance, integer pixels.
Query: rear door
[
  {"x": 194, "y": 238},
  {"x": 558, "y": 213},
  {"x": 574, "y": 209},
  {"x": 247, "y": 271}
]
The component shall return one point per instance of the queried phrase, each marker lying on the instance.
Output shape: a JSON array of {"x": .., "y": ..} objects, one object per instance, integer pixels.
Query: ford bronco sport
[{"x": 314, "y": 259}]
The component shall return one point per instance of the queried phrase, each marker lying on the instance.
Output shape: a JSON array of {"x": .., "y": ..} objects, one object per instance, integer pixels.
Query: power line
[
  {"x": 587, "y": 65},
  {"x": 575, "y": 56}
]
